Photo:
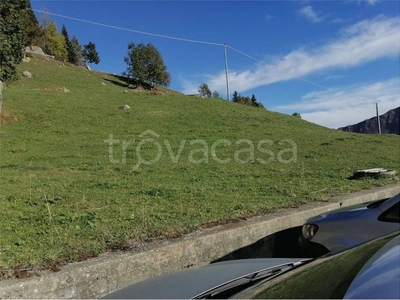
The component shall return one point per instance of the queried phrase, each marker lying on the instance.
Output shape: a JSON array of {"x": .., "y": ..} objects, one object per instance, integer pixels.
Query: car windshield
[
  {"x": 376, "y": 204},
  {"x": 325, "y": 278}
]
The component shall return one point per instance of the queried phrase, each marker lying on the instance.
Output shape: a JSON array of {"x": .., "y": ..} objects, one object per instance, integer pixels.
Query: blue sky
[{"x": 328, "y": 60}]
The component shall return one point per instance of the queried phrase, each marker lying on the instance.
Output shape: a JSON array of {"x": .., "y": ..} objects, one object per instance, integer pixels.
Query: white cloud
[
  {"x": 188, "y": 87},
  {"x": 372, "y": 2},
  {"x": 309, "y": 13},
  {"x": 330, "y": 77},
  {"x": 338, "y": 21},
  {"x": 358, "y": 44},
  {"x": 334, "y": 108}
]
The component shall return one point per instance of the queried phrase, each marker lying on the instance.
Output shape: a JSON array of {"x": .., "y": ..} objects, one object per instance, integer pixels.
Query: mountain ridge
[{"x": 389, "y": 124}]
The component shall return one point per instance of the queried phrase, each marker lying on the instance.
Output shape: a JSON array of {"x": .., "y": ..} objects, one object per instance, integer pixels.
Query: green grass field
[{"x": 63, "y": 200}]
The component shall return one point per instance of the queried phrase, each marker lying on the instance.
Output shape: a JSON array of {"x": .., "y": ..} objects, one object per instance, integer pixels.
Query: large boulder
[
  {"x": 27, "y": 74},
  {"x": 64, "y": 90},
  {"x": 34, "y": 49},
  {"x": 125, "y": 107},
  {"x": 37, "y": 50}
]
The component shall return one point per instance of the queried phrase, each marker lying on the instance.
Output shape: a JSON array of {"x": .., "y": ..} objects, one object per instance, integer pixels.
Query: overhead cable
[
  {"x": 130, "y": 30},
  {"x": 173, "y": 38},
  {"x": 291, "y": 75}
]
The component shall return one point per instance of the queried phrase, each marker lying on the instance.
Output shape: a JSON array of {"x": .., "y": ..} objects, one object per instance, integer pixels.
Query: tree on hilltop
[
  {"x": 254, "y": 100},
  {"x": 244, "y": 100},
  {"x": 297, "y": 115},
  {"x": 260, "y": 105},
  {"x": 216, "y": 95},
  {"x": 90, "y": 54},
  {"x": 55, "y": 42},
  {"x": 145, "y": 65},
  {"x": 77, "y": 50},
  {"x": 204, "y": 90},
  {"x": 235, "y": 97},
  {"x": 68, "y": 45},
  {"x": 255, "y": 103},
  {"x": 33, "y": 32}
]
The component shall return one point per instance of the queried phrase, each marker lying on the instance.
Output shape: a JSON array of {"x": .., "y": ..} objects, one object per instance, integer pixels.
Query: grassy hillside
[{"x": 62, "y": 199}]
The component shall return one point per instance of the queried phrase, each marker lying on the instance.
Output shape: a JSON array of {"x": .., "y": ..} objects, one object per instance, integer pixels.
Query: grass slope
[{"x": 63, "y": 200}]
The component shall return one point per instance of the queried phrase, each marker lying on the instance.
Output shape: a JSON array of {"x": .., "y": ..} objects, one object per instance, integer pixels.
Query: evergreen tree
[
  {"x": 235, "y": 97},
  {"x": 12, "y": 38},
  {"x": 34, "y": 34},
  {"x": 90, "y": 54},
  {"x": 70, "y": 50},
  {"x": 244, "y": 100},
  {"x": 77, "y": 49},
  {"x": 254, "y": 101},
  {"x": 145, "y": 65},
  {"x": 55, "y": 42}
]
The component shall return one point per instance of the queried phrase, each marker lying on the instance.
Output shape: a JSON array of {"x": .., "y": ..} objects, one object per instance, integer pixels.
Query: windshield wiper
[{"x": 249, "y": 279}]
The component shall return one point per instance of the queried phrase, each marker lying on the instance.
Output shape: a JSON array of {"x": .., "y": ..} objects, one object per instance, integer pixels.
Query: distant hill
[{"x": 389, "y": 124}]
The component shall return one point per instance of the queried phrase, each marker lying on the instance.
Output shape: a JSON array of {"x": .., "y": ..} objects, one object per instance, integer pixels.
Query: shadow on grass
[
  {"x": 127, "y": 82},
  {"x": 282, "y": 244},
  {"x": 119, "y": 83}
]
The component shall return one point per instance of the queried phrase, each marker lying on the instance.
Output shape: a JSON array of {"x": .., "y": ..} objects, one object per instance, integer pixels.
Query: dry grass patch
[
  {"x": 53, "y": 89},
  {"x": 6, "y": 117},
  {"x": 156, "y": 92},
  {"x": 46, "y": 122}
]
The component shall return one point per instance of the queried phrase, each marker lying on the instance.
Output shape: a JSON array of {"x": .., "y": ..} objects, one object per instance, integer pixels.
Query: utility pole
[
  {"x": 226, "y": 73},
  {"x": 377, "y": 119}
]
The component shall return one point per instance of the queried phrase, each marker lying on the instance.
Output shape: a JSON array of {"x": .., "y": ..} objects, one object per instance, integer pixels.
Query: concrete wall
[{"x": 99, "y": 276}]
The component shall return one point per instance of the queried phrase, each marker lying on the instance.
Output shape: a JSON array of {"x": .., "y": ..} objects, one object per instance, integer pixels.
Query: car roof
[
  {"x": 380, "y": 276},
  {"x": 189, "y": 283},
  {"x": 390, "y": 202}
]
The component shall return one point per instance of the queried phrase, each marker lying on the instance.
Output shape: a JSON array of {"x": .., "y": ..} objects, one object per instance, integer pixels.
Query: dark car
[
  {"x": 368, "y": 271},
  {"x": 351, "y": 225},
  {"x": 365, "y": 271}
]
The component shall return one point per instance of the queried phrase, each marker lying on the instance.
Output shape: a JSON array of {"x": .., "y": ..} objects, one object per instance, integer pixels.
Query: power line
[
  {"x": 177, "y": 39},
  {"x": 294, "y": 76},
  {"x": 130, "y": 30}
]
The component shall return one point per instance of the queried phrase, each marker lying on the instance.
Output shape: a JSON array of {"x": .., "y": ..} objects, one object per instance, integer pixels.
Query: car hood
[
  {"x": 342, "y": 213},
  {"x": 189, "y": 283}
]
